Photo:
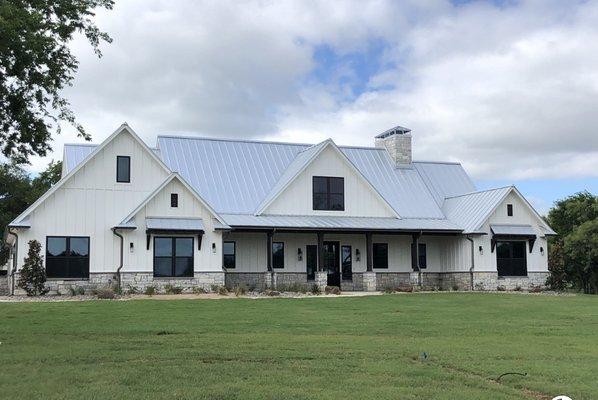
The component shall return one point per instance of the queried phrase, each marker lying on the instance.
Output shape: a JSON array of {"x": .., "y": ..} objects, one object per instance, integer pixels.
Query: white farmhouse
[{"x": 201, "y": 212}]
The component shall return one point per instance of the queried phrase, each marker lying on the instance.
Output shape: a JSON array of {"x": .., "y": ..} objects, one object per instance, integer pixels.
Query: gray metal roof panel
[
  {"x": 174, "y": 224},
  {"x": 515, "y": 230},
  {"x": 469, "y": 211},
  {"x": 331, "y": 222},
  {"x": 444, "y": 179}
]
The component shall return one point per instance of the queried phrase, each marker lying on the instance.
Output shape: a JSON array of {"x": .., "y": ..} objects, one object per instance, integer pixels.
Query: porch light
[
  {"x": 357, "y": 255},
  {"x": 299, "y": 254},
  {"x": 213, "y": 247},
  {"x": 542, "y": 250},
  {"x": 481, "y": 249},
  {"x": 131, "y": 247}
]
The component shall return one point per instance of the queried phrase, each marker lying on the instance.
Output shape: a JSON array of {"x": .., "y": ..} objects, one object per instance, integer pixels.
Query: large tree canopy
[{"x": 35, "y": 65}]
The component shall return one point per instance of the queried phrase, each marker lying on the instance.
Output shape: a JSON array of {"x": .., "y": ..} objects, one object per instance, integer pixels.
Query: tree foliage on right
[{"x": 573, "y": 254}]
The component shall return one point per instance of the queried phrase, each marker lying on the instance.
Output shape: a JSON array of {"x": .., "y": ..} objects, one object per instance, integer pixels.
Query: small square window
[
  {"x": 510, "y": 210},
  {"x": 174, "y": 200}
]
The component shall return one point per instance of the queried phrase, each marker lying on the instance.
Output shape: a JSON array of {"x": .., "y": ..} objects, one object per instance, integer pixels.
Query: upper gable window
[
  {"x": 123, "y": 169},
  {"x": 328, "y": 193},
  {"x": 510, "y": 210},
  {"x": 174, "y": 200}
]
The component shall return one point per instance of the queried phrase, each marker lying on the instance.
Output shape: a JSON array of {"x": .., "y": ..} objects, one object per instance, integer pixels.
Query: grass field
[{"x": 338, "y": 348}]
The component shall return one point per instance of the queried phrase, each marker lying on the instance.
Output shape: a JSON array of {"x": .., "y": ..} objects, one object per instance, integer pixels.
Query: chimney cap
[{"x": 397, "y": 130}]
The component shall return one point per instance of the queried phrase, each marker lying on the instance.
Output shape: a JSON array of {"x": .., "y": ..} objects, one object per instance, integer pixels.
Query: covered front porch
[{"x": 353, "y": 260}]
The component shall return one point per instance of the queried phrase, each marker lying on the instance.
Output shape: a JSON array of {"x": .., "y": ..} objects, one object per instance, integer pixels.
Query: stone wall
[
  {"x": 392, "y": 280},
  {"x": 64, "y": 286},
  {"x": 140, "y": 281},
  {"x": 253, "y": 280},
  {"x": 4, "y": 285}
]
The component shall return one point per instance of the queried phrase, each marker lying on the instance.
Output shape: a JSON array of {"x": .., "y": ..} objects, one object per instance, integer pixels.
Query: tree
[
  {"x": 568, "y": 251},
  {"x": 32, "y": 277},
  {"x": 18, "y": 191},
  {"x": 581, "y": 249},
  {"x": 35, "y": 65}
]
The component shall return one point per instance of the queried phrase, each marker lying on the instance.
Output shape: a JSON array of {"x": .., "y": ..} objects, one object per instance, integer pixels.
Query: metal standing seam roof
[
  {"x": 331, "y": 222},
  {"x": 175, "y": 224},
  {"x": 444, "y": 179},
  {"x": 513, "y": 230},
  {"x": 471, "y": 210}
]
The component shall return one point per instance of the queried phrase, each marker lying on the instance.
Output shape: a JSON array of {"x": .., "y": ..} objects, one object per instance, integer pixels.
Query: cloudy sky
[{"x": 508, "y": 88}]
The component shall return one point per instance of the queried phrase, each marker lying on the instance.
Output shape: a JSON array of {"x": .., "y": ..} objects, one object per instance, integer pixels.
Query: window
[
  {"x": 67, "y": 257},
  {"x": 510, "y": 210},
  {"x": 311, "y": 261},
  {"x": 173, "y": 256},
  {"x": 346, "y": 263},
  {"x": 229, "y": 255},
  {"x": 277, "y": 255},
  {"x": 328, "y": 193},
  {"x": 380, "y": 251},
  {"x": 123, "y": 169},
  {"x": 174, "y": 200},
  {"x": 511, "y": 258},
  {"x": 421, "y": 252}
]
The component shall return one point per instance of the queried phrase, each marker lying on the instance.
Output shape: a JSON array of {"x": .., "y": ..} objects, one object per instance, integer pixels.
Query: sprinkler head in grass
[{"x": 423, "y": 356}]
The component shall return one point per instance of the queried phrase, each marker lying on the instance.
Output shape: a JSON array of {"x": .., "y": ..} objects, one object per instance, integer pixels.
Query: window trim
[
  {"x": 128, "y": 158},
  {"x": 174, "y": 257},
  {"x": 68, "y": 249},
  {"x": 234, "y": 243},
  {"x": 344, "y": 246},
  {"x": 374, "y": 255},
  {"x": 509, "y": 210},
  {"x": 174, "y": 200},
  {"x": 272, "y": 250},
  {"x": 328, "y": 192}
]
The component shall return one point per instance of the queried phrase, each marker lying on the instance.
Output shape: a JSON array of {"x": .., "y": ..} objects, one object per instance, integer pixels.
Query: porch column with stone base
[
  {"x": 369, "y": 281},
  {"x": 321, "y": 279}
]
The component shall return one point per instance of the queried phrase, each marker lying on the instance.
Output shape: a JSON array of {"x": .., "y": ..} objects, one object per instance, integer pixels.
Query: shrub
[
  {"x": 198, "y": 290},
  {"x": 455, "y": 287},
  {"x": 388, "y": 290},
  {"x": 293, "y": 287},
  {"x": 105, "y": 293},
  {"x": 215, "y": 288},
  {"x": 240, "y": 290},
  {"x": 269, "y": 292},
  {"x": 404, "y": 289},
  {"x": 536, "y": 289},
  {"x": 171, "y": 289},
  {"x": 222, "y": 291},
  {"x": 501, "y": 288},
  {"x": 332, "y": 290},
  {"x": 518, "y": 288},
  {"x": 76, "y": 290},
  {"x": 479, "y": 286},
  {"x": 315, "y": 289},
  {"x": 150, "y": 290},
  {"x": 32, "y": 277},
  {"x": 133, "y": 289}
]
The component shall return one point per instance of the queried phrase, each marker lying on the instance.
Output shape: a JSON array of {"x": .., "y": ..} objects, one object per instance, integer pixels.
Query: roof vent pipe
[{"x": 397, "y": 142}]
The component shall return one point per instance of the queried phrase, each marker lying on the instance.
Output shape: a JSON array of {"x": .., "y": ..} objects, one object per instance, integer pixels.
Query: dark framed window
[
  {"x": 67, "y": 257},
  {"x": 173, "y": 256},
  {"x": 174, "y": 200},
  {"x": 346, "y": 263},
  {"x": 421, "y": 253},
  {"x": 229, "y": 256},
  {"x": 510, "y": 210},
  {"x": 380, "y": 253},
  {"x": 277, "y": 255},
  {"x": 511, "y": 258},
  {"x": 311, "y": 261},
  {"x": 328, "y": 193},
  {"x": 123, "y": 169}
]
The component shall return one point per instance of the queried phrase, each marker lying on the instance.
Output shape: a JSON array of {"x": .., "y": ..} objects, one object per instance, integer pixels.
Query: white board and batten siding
[
  {"x": 361, "y": 200},
  {"x": 91, "y": 202},
  {"x": 204, "y": 260}
]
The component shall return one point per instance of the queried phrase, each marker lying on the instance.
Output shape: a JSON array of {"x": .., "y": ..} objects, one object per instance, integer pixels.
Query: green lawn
[{"x": 302, "y": 348}]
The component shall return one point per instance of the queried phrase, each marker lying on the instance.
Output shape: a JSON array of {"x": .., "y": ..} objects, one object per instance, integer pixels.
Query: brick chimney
[{"x": 397, "y": 141}]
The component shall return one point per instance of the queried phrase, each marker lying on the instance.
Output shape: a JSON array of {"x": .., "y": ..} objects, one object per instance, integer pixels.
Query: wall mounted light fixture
[
  {"x": 299, "y": 254},
  {"x": 481, "y": 249},
  {"x": 131, "y": 247},
  {"x": 542, "y": 250},
  {"x": 357, "y": 255},
  {"x": 213, "y": 247}
]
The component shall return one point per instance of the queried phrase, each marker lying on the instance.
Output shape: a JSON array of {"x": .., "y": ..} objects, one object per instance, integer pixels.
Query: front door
[{"x": 332, "y": 263}]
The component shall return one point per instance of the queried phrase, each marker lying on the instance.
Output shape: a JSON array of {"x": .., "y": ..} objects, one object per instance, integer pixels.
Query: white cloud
[{"x": 509, "y": 91}]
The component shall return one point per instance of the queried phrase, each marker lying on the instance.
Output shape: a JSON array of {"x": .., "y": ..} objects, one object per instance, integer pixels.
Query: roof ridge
[
  {"x": 480, "y": 191},
  {"x": 188, "y": 137},
  {"x": 435, "y": 162}
]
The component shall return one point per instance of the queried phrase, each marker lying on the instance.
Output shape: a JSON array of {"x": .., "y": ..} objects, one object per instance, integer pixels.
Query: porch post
[
  {"x": 269, "y": 281},
  {"x": 415, "y": 276},
  {"x": 321, "y": 274},
  {"x": 369, "y": 277}
]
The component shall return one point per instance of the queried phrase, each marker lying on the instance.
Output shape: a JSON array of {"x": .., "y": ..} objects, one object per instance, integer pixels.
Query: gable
[{"x": 361, "y": 199}]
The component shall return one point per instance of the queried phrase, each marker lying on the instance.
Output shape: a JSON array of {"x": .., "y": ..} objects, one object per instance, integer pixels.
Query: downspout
[
  {"x": 472, "y": 260},
  {"x": 15, "y": 259},
  {"x": 122, "y": 243}
]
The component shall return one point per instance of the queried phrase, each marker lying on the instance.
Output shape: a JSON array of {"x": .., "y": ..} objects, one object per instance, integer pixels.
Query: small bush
[
  {"x": 240, "y": 290},
  {"x": 501, "y": 288},
  {"x": 171, "y": 289},
  {"x": 293, "y": 287},
  {"x": 404, "y": 289},
  {"x": 272, "y": 293},
  {"x": 536, "y": 289},
  {"x": 215, "y": 288},
  {"x": 479, "y": 286},
  {"x": 76, "y": 290},
  {"x": 518, "y": 288},
  {"x": 315, "y": 289},
  {"x": 388, "y": 290},
  {"x": 150, "y": 290},
  {"x": 455, "y": 287},
  {"x": 332, "y": 290},
  {"x": 222, "y": 291},
  {"x": 133, "y": 289},
  {"x": 32, "y": 276},
  {"x": 105, "y": 293},
  {"x": 198, "y": 290}
]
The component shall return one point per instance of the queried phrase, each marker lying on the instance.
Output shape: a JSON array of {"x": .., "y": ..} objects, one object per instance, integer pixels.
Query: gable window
[
  {"x": 511, "y": 258},
  {"x": 123, "y": 169},
  {"x": 173, "y": 256},
  {"x": 67, "y": 257},
  {"x": 277, "y": 255},
  {"x": 229, "y": 255},
  {"x": 510, "y": 210},
  {"x": 328, "y": 193},
  {"x": 380, "y": 253},
  {"x": 346, "y": 263},
  {"x": 174, "y": 200},
  {"x": 421, "y": 253}
]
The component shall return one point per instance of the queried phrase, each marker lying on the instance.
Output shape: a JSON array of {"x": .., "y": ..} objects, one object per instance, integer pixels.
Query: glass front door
[{"x": 332, "y": 263}]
